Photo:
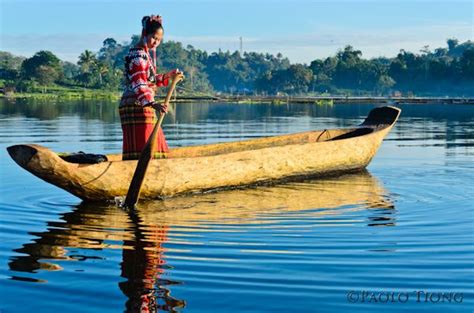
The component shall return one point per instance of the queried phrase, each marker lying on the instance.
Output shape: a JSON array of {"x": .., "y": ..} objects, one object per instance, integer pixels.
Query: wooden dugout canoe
[{"x": 218, "y": 166}]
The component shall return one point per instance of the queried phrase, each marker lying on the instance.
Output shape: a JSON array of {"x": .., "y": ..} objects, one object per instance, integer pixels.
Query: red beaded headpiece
[{"x": 152, "y": 18}]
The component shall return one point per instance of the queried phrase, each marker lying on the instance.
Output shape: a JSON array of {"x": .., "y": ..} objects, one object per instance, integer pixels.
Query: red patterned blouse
[{"x": 141, "y": 79}]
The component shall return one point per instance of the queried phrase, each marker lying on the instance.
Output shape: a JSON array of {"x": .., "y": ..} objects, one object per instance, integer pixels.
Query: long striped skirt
[{"x": 137, "y": 125}]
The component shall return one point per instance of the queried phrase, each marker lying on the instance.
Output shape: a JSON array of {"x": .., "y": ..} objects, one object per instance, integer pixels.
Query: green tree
[
  {"x": 9, "y": 66},
  {"x": 38, "y": 65},
  {"x": 9, "y": 69},
  {"x": 264, "y": 83},
  {"x": 46, "y": 75},
  {"x": 348, "y": 73},
  {"x": 87, "y": 61},
  {"x": 385, "y": 83},
  {"x": 452, "y": 43},
  {"x": 89, "y": 74},
  {"x": 70, "y": 72},
  {"x": 467, "y": 64},
  {"x": 109, "y": 51},
  {"x": 294, "y": 80},
  {"x": 299, "y": 78}
]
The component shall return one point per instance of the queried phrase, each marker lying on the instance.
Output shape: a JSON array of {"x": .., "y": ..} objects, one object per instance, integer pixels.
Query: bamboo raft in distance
[{"x": 203, "y": 168}]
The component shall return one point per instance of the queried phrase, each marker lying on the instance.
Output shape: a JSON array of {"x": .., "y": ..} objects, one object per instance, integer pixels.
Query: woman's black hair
[{"x": 151, "y": 24}]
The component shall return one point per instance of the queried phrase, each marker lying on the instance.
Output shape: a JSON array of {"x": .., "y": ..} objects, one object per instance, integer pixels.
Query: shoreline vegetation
[
  {"x": 90, "y": 94},
  {"x": 444, "y": 74}
]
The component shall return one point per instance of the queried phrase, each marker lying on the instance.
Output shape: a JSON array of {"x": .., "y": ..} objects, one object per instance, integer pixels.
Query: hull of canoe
[{"x": 174, "y": 176}]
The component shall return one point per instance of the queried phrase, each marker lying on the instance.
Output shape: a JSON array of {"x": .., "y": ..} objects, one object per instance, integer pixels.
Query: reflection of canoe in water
[
  {"x": 218, "y": 166},
  {"x": 142, "y": 234},
  {"x": 96, "y": 226},
  {"x": 332, "y": 195}
]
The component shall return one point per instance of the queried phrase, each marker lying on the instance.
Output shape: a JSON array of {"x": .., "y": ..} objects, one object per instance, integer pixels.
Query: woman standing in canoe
[{"x": 137, "y": 106}]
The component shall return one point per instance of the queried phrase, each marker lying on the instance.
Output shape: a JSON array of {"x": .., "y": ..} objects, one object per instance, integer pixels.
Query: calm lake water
[{"x": 399, "y": 237}]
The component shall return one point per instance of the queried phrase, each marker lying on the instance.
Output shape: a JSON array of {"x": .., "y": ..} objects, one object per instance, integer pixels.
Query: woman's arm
[{"x": 162, "y": 80}]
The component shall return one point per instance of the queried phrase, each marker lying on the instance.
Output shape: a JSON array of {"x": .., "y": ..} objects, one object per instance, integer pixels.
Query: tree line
[{"x": 442, "y": 71}]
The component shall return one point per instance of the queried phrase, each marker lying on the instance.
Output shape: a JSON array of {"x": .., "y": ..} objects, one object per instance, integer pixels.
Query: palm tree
[
  {"x": 87, "y": 61},
  {"x": 102, "y": 68}
]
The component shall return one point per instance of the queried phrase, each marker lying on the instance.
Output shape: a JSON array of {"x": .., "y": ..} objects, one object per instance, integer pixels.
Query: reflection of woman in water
[
  {"x": 142, "y": 262},
  {"x": 142, "y": 267}
]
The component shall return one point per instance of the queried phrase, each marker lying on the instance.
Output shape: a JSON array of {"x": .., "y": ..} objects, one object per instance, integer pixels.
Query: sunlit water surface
[{"x": 398, "y": 237}]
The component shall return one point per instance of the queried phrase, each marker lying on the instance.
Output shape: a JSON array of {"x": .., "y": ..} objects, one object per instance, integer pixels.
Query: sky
[{"x": 302, "y": 30}]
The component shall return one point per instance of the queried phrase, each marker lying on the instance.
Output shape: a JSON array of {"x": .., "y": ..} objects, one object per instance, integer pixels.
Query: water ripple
[{"x": 292, "y": 247}]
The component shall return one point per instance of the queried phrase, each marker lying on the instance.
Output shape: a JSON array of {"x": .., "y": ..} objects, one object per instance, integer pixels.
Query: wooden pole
[{"x": 146, "y": 155}]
